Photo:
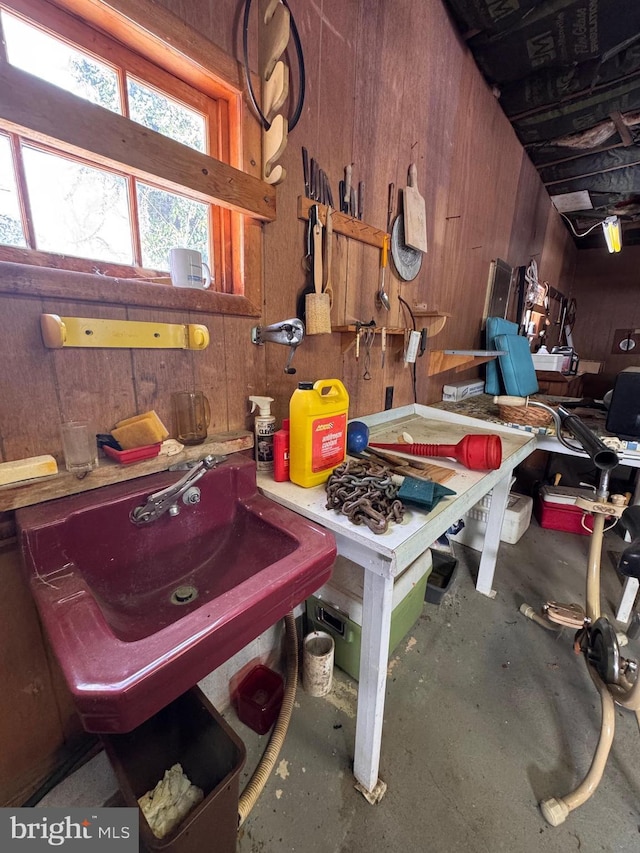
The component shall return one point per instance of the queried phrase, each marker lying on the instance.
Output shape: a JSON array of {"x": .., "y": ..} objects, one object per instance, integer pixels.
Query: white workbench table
[
  {"x": 483, "y": 408},
  {"x": 386, "y": 556}
]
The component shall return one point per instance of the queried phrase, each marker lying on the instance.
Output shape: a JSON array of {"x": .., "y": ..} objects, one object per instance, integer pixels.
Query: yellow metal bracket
[{"x": 58, "y": 332}]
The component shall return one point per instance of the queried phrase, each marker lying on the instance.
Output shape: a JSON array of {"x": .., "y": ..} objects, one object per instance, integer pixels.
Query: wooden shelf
[
  {"x": 443, "y": 360},
  {"x": 433, "y": 321},
  {"x": 355, "y": 229},
  {"x": 349, "y": 334},
  {"x": 63, "y": 483}
]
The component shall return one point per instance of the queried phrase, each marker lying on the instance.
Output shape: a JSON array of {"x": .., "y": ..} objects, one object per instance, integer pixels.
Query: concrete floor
[{"x": 486, "y": 713}]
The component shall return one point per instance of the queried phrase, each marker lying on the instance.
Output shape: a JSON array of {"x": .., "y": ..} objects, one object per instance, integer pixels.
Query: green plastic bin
[{"x": 337, "y": 608}]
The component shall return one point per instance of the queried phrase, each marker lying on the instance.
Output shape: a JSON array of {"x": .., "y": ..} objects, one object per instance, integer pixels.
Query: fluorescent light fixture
[{"x": 612, "y": 233}]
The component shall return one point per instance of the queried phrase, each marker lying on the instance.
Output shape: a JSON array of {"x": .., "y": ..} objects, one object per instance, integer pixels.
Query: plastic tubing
[
  {"x": 254, "y": 786},
  {"x": 528, "y": 611}
]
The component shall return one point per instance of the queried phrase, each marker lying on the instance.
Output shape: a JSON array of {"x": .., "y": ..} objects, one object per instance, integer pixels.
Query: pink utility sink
[{"x": 139, "y": 613}]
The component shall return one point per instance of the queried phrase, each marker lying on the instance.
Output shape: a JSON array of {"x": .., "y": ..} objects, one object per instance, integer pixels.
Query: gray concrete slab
[{"x": 486, "y": 713}]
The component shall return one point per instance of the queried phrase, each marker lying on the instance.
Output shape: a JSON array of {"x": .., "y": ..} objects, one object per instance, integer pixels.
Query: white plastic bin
[{"x": 517, "y": 518}]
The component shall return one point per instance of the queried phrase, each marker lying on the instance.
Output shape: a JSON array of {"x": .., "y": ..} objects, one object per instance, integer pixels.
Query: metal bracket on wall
[{"x": 58, "y": 332}]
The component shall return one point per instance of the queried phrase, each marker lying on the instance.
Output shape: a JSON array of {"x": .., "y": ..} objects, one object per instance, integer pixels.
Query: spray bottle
[{"x": 264, "y": 428}]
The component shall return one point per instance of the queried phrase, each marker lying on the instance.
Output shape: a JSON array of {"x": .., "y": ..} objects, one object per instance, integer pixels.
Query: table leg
[
  {"x": 377, "y": 603},
  {"x": 499, "y": 498},
  {"x": 629, "y": 593}
]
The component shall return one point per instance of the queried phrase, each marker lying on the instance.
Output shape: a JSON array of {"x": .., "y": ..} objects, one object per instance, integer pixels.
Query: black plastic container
[
  {"x": 191, "y": 732},
  {"x": 442, "y": 577}
]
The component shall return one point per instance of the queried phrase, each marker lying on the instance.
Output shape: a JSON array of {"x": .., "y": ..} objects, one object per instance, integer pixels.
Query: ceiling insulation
[{"x": 567, "y": 74}]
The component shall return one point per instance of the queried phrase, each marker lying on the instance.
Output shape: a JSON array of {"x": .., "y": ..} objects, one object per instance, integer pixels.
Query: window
[{"x": 144, "y": 162}]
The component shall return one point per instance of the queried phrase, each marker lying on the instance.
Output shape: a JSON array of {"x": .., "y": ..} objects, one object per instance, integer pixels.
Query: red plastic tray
[{"x": 136, "y": 454}]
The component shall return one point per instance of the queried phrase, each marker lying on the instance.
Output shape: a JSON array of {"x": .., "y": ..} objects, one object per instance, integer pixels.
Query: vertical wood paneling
[
  {"x": 92, "y": 383},
  {"x": 156, "y": 374},
  {"x": 606, "y": 289},
  {"x": 28, "y": 398},
  {"x": 387, "y": 83},
  {"x": 530, "y": 217},
  {"x": 30, "y": 730}
]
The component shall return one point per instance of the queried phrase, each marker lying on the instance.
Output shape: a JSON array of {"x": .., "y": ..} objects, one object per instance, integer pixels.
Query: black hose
[{"x": 602, "y": 456}]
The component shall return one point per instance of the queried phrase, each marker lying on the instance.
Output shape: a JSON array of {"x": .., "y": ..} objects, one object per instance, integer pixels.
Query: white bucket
[{"x": 317, "y": 663}]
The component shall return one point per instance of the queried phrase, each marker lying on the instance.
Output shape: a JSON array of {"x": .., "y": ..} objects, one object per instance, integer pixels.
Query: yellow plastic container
[{"x": 317, "y": 431}]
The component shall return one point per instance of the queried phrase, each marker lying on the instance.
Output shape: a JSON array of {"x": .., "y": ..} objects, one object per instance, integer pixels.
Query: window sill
[{"x": 29, "y": 280}]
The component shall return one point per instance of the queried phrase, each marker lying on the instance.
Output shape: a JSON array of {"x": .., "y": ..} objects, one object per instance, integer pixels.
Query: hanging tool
[
  {"x": 307, "y": 265},
  {"x": 305, "y": 172},
  {"x": 382, "y": 299},
  {"x": 317, "y": 305},
  {"x": 313, "y": 169},
  {"x": 390, "y": 202},
  {"x": 383, "y": 344},
  {"x": 346, "y": 196},
  {"x": 329, "y": 192},
  {"x": 369, "y": 337},
  {"x": 328, "y": 249},
  {"x": 415, "y": 219}
]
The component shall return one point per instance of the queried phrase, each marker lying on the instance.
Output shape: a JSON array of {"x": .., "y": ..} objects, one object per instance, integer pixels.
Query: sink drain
[{"x": 184, "y": 594}]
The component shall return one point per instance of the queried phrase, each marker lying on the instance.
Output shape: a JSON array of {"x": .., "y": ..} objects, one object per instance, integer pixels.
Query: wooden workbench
[{"x": 384, "y": 557}]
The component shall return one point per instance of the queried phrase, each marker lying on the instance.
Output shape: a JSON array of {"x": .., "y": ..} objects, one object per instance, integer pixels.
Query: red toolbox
[{"x": 555, "y": 508}]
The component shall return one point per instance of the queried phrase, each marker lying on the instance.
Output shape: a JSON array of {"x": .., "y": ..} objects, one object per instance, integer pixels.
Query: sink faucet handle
[
  {"x": 159, "y": 502},
  {"x": 287, "y": 368}
]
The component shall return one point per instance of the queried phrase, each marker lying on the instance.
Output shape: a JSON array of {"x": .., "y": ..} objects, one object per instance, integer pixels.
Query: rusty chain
[{"x": 364, "y": 491}]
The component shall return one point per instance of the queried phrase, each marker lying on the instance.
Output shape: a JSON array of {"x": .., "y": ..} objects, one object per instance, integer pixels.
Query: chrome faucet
[
  {"x": 166, "y": 500},
  {"x": 287, "y": 332}
]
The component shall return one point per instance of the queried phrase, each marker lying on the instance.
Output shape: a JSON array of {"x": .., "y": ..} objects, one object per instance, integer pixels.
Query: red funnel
[{"x": 476, "y": 452}]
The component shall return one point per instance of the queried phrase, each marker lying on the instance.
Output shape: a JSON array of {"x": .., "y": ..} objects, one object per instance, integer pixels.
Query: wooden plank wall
[
  {"x": 606, "y": 293},
  {"x": 388, "y": 83}
]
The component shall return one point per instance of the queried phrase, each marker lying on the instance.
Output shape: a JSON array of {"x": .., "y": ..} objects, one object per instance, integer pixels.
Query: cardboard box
[
  {"x": 585, "y": 366},
  {"x": 453, "y": 392}
]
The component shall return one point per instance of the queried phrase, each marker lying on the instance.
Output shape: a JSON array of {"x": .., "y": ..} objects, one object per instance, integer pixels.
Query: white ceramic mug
[{"x": 188, "y": 269}]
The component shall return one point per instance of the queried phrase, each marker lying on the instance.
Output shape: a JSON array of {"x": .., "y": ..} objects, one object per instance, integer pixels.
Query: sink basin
[{"x": 136, "y": 615}]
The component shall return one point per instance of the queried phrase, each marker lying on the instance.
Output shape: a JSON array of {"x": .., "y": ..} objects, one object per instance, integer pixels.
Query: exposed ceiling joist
[{"x": 568, "y": 74}]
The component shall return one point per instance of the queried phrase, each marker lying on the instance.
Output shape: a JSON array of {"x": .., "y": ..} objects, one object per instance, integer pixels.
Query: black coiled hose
[{"x": 247, "y": 73}]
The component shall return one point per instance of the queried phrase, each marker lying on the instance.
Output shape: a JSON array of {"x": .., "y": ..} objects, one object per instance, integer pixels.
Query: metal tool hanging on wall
[
  {"x": 275, "y": 25},
  {"x": 290, "y": 333}
]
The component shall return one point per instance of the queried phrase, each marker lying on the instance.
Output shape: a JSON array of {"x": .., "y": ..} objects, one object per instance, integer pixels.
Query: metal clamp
[{"x": 288, "y": 332}]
